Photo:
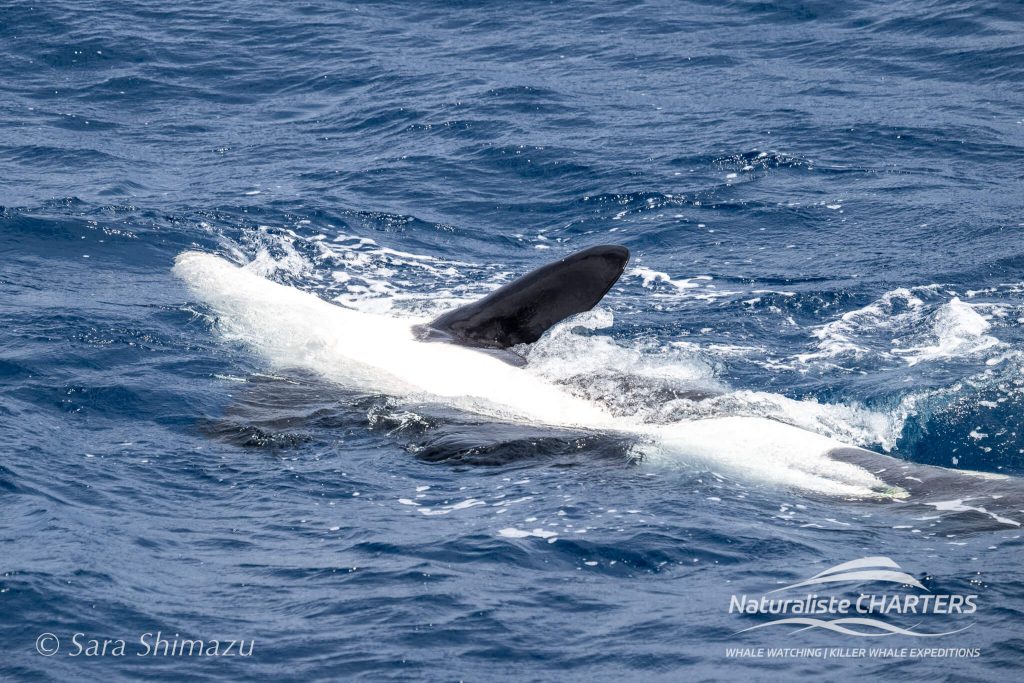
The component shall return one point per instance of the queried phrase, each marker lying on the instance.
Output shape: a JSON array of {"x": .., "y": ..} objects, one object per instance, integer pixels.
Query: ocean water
[{"x": 823, "y": 206}]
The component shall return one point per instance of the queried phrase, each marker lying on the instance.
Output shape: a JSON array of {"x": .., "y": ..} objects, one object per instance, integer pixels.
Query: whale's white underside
[{"x": 295, "y": 329}]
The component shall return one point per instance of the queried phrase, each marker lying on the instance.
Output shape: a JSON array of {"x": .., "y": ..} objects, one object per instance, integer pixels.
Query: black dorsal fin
[{"x": 523, "y": 310}]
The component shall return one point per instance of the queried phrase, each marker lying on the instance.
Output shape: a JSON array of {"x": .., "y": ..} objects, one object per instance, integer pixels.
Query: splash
[
  {"x": 958, "y": 330},
  {"x": 909, "y": 325}
]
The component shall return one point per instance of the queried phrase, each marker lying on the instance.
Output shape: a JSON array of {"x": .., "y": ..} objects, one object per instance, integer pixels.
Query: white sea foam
[
  {"x": 912, "y": 325},
  {"x": 958, "y": 330},
  {"x": 360, "y": 273},
  {"x": 846, "y": 335},
  {"x": 512, "y": 532},
  {"x": 662, "y": 284},
  {"x": 594, "y": 354},
  {"x": 649, "y": 277}
]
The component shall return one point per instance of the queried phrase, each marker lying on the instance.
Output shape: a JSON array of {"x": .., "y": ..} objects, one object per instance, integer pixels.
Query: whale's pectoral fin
[{"x": 521, "y": 311}]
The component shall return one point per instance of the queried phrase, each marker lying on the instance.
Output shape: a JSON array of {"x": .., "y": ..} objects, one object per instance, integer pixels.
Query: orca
[{"x": 523, "y": 310}]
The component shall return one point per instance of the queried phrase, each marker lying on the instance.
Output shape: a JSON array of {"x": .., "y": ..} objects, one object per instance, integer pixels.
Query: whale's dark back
[{"x": 521, "y": 311}]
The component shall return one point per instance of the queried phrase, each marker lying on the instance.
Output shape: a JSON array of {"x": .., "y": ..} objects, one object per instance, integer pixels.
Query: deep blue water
[{"x": 823, "y": 202}]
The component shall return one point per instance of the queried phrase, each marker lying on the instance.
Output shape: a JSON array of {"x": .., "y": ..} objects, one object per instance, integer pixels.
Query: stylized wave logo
[
  {"x": 862, "y": 570},
  {"x": 840, "y": 626}
]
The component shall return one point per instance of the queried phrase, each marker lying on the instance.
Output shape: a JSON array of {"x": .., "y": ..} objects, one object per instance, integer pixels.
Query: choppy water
[{"x": 823, "y": 202}]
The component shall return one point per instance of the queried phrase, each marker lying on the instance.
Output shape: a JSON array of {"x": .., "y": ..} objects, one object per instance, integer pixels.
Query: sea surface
[{"x": 823, "y": 202}]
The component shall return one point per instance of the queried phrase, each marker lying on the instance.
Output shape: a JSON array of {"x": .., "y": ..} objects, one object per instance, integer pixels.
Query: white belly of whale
[{"x": 293, "y": 329}]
